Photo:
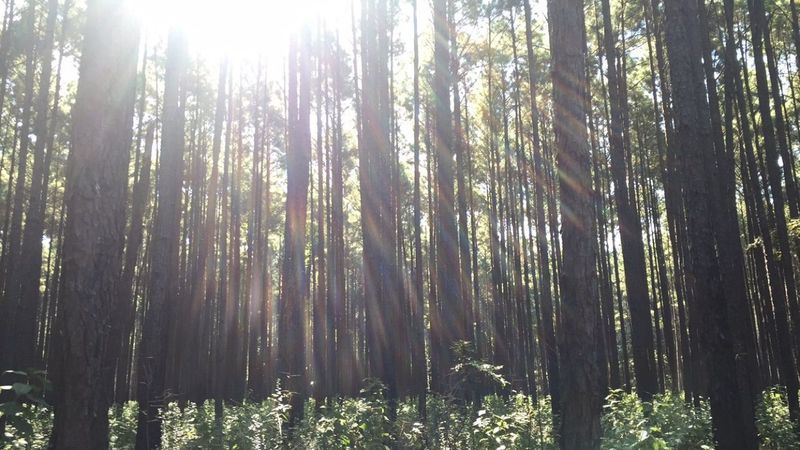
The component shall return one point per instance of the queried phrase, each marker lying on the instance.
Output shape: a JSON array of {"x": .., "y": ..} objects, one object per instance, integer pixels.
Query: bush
[
  {"x": 680, "y": 424},
  {"x": 256, "y": 425},
  {"x": 665, "y": 423},
  {"x": 348, "y": 423},
  {"x": 775, "y": 428},
  {"x": 516, "y": 422},
  {"x": 26, "y": 413},
  {"x": 31, "y": 430},
  {"x": 122, "y": 425}
]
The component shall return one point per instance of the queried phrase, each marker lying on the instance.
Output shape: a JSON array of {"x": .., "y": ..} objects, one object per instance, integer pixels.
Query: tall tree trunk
[
  {"x": 781, "y": 133},
  {"x": 661, "y": 142},
  {"x": 5, "y": 41},
  {"x": 337, "y": 293},
  {"x": 460, "y": 150},
  {"x": 30, "y": 263},
  {"x": 543, "y": 253},
  {"x": 447, "y": 280},
  {"x": 126, "y": 309},
  {"x": 291, "y": 316},
  {"x": 630, "y": 227},
  {"x": 9, "y": 270},
  {"x": 419, "y": 370},
  {"x": 209, "y": 266},
  {"x": 581, "y": 390},
  {"x": 320, "y": 332},
  {"x": 732, "y": 428},
  {"x": 730, "y": 255},
  {"x": 93, "y": 242},
  {"x": 758, "y": 27},
  {"x": 164, "y": 263},
  {"x": 382, "y": 278}
]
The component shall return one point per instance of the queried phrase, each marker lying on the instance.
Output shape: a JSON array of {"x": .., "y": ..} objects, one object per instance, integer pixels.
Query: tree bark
[
  {"x": 291, "y": 321},
  {"x": 581, "y": 389},
  {"x": 93, "y": 240},
  {"x": 164, "y": 263},
  {"x": 732, "y": 428}
]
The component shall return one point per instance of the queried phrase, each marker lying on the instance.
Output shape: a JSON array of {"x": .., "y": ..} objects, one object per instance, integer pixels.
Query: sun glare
[{"x": 239, "y": 28}]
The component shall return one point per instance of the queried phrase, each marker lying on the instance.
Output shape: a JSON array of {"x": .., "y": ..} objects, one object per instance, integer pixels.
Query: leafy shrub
[
  {"x": 256, "y": 425},
  {"x": 351, "y": 423},
  {"x": 665, "y": 423},
  {"x": 681, "y": 425},
  {"x": 122, "y": 425},
  {"x": 775, "y": 428},
  {"x": 246, "y": 426},
  {"x": 409, "y": 431},
  {"x": 448, "y": 424},
  {"x": 179, "y": 426},
  {"x": 472, "y": 375},
  {"x": 31, "y": 430},
  {"x": 26, "y": 413},
  {"x": 515, "y": 422},
  {"x": 625, "y": 424}
]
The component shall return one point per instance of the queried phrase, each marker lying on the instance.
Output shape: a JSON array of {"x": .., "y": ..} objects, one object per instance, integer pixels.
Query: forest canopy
[{"x": 399, "y": 224}]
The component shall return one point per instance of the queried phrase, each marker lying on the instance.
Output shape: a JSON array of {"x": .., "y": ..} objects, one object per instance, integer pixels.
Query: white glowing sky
[
  {"x": 261, "y": 28},
  {"x": 240, "y": 28}
]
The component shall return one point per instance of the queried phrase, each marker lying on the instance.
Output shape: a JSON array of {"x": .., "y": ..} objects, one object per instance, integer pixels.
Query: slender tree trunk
[
  {"x": 164, "y": 277},
  {"x": 758, "y": 27},
  {"x": 419, "y": 371},
  {"x": 5, "y": 38},
  {"x": 126, "y": 309},
  {"x": 291, "y": 322},
  {"x": 382, "y": 279},
  {"x": 581, "y": 390},
  {"x": 30, "y": 262},
  {"x": 9, "y": 269},
  {"x": 543, "y": 253},
  {"x": 630, "y": 227},
  {"x": 460, "y": 150},
  {"x": 447, "y": 281}
]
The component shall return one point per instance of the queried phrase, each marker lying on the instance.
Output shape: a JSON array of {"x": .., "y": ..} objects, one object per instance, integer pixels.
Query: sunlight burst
[{"x": 239, "y": 28}]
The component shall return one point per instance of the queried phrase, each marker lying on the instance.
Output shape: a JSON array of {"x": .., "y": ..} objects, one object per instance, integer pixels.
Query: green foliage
[
  {"x": 180, "y": 426},
  {"x": 26, "y": 413},
  {"x": 474, "y": 375},
  {"x": 794, "y": 228},
  {"x": 448, "y": 424},
  {"x": 122, "y": 425},
  {"x": 665, "y": 423},
  {"x": 516, "y": 422},
  {"x": 363, "y": 423},
  {"x": 30, "y": 429},
  {"x": 350, "y": 423},
  {"x": 256, "y": 425},
  {"x": 681, "y": 425},
  {"x": 246, "y": 426},
  {"x": 775, "y": 428}
]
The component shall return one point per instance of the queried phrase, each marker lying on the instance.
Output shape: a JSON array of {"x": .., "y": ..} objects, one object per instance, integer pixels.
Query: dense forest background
[{"x": 457, "y": 201}]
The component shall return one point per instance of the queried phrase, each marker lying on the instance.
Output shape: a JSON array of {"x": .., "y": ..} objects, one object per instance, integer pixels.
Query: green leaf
[{"x": 22, "y": 388}]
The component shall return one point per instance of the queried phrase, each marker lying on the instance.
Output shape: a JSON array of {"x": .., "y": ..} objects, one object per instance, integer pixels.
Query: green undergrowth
[{"x": 514, "y": 422}]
